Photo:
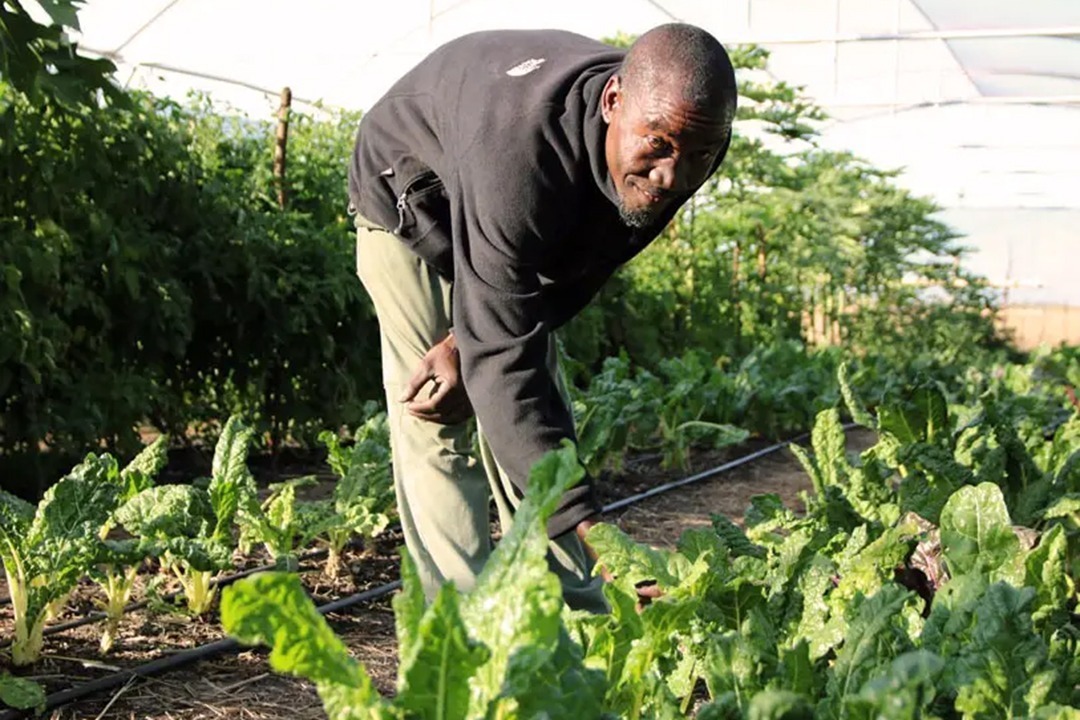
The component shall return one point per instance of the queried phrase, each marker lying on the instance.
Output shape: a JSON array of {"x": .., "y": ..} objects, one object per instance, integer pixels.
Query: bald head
[{"x": 683, "y": 58}]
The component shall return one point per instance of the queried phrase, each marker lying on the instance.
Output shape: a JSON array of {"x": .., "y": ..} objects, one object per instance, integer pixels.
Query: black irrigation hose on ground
[
  {"x": 185, "y": 657},
  {"x": 660, "y": 489},
  {"x": 226, "y": 645}
]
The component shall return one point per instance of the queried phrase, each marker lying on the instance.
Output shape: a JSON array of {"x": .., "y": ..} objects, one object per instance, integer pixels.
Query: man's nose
[
  {"x": 675, "y": 175},
  {"x": 664, "y": 175}
]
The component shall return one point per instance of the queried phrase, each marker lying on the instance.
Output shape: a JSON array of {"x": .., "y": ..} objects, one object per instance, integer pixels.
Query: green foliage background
[{"x": 148, "y": 275}]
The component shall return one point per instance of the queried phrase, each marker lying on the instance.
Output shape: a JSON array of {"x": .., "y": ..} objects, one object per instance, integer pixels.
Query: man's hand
[
  {"x": 647, "y": 591},
  {"x": 446, "y": 403}
]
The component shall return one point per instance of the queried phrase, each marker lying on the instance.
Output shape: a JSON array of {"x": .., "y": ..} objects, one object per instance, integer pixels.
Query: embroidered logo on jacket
[{"x": 524, "y": 68}]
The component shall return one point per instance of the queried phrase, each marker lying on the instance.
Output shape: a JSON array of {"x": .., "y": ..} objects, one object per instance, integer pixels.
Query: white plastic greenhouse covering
[{"x": 978, "y": 100}]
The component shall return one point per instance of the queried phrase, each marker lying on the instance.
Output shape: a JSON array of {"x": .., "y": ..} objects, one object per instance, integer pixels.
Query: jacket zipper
[
  {"x": 400, "y": 212},
  {"x": 405, "y": 193}
]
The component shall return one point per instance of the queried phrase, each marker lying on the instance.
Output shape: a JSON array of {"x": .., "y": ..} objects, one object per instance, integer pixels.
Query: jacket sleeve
[{"x": 501, "y": 323}]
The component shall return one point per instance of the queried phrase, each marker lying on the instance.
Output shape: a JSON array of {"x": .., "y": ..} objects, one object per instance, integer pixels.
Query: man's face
[{"x": 658, "y": 147}]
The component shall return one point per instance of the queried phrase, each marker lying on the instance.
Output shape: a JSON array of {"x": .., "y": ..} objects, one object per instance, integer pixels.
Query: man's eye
[{"x": 656, "y": 143}]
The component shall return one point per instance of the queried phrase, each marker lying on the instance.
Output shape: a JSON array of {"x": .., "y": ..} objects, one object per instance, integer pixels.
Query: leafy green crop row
[
  {"x": 932, "y": 575},
  {"x": 105, "y": 522},
  {"x": 774, "y": 392},
  {"x": 694, "y": 401}
]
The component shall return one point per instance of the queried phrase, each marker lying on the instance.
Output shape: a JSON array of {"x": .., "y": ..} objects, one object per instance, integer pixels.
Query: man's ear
[{"x": 610, "y": 97}]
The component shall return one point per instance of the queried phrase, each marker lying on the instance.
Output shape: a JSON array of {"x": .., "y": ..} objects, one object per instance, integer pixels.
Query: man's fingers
[
  {"x": 646, "y": 593},
  {"x": 431, "y": 404},
  {"x": 649, "y": 591},
  {"x": 420, "y": 378}
]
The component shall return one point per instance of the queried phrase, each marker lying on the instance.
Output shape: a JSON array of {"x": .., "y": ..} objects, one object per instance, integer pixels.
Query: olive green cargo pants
[{"x": 443, "y": 492}]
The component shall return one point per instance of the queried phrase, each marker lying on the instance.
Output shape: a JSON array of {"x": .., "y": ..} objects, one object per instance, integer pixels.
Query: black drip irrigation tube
[
  {"x": 185, "y": 657},
  {"x": 228, "y": 645},
  {"x": 661, "y": 489}
]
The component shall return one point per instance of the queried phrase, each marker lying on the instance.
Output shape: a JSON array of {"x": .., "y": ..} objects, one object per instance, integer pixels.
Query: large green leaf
[
  {"x": 630, "y": 562},
  {"x": 921, "y": 414},
  {"x": 829, "y": 443},
  {"x": 62, "y": 542},
  {"x": 817, "y": 479},
  {"x": 1047, "y": 570},
  {"x": 952, "y": 615},
  {"x": 230, "y": 453},
  {"x": 854, "y": 404},
  {"x": 272, "y": 609},
  {"x": 81, "y": 502},
  {"x": 903, "y": 692},
  {"x": 168, "y": 511},
  {"x": 977, "y": 535},
  {"x": 1003, "y": 668},
  {"x": 150, "y": 460},
  {"x": 875, "y": 637},
  {"x": 231, "y": 483},
  {"x": 813, "y": 627},
  {"x": 797, "y": 672},
  {"x": 872, "y": 565},
  {"x": 441, "y": 660},
  {"x": 21, "y": 693},
  {"x": 139, "y": 474},
  {"x": 497, "y": 613}
]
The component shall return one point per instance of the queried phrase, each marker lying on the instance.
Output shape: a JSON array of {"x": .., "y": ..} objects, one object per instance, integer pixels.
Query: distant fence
[
  {"x": 1034, "y": 325},
  {"x": 1027, "y": 326}
]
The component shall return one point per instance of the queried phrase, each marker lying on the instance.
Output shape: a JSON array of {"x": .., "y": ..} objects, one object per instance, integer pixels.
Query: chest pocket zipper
[{"x": 420, "y": 185}]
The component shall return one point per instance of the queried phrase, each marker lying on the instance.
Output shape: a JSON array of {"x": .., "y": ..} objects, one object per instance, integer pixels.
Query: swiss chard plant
[
  {"x": 47, "y": 549},
  {"x": 191, "y": 528},
  {"x": 906, "y": 589},
  {"x": 818, "y": 621},
  {"x": 281, "y": 523},
  {"x": 685, "y": 406},
  {"x": 500, "y": 651},
  {"x": 362, "y": 504},
  {"x": 120, "y": 560}
]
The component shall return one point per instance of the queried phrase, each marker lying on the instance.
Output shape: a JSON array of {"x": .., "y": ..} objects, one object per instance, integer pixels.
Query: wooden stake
[{"x": 280, "y": 146}]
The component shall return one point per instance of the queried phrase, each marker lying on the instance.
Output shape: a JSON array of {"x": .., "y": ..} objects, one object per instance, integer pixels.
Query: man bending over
[{"x": 497, "y": 186}]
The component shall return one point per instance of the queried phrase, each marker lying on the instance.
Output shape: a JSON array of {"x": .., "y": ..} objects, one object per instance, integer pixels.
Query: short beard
[{"x": 635, "y": 219}]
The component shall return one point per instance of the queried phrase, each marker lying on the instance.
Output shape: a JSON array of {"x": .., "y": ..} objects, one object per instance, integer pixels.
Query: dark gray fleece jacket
[{"x": 487, "y": 160}]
